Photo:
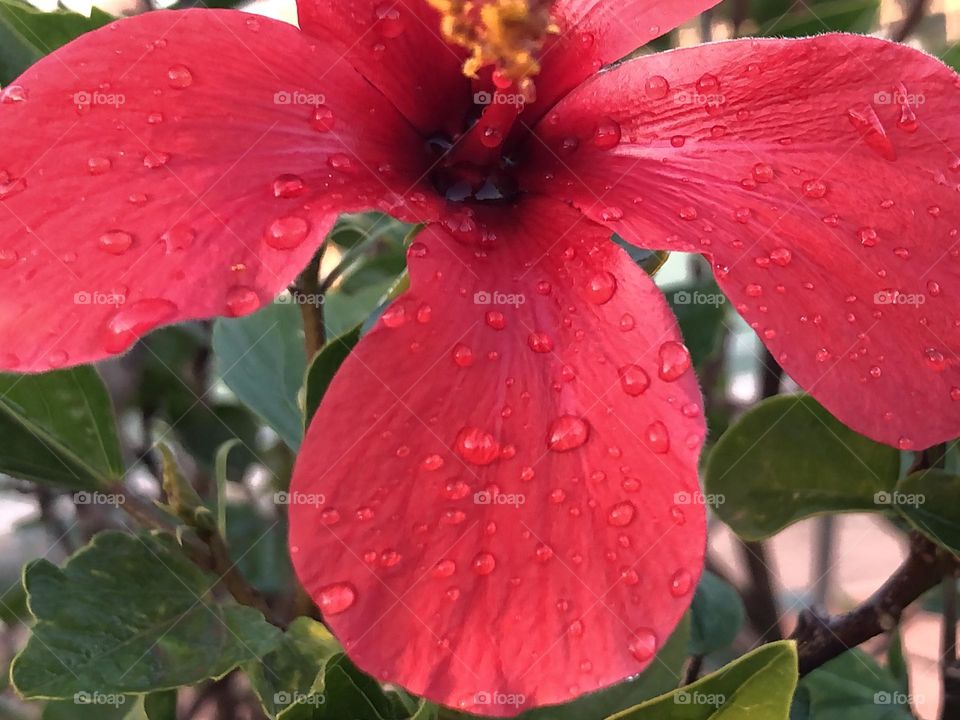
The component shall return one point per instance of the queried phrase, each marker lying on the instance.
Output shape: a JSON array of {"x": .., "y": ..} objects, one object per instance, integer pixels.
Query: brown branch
[
  {"x": 914, "y": 15},
  {"x": 311, "y": 306},
  {"x": 820, "y": 638}
]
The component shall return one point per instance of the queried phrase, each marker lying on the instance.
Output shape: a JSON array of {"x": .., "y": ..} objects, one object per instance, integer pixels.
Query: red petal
[
  {"x": 594, "y": 33},
  {"x": 397, "y": 46},
  {"x": 404, "y": 526},
  {"x": 820, "y": 175},
  {"x": 150, "y": 176}
]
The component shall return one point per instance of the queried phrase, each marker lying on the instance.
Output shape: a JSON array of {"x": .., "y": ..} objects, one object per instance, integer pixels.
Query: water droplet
[
  {"x": 8, "y": 258},
  {"x": 622, "y": 514},
  {"x": 322, "y": 119},
  {"x": 242, "y": 301},
  {"x": 815, "y": 189},
  {"x": 540, "y": 342},
  {"x": 763, "y": 173},
  {"x": 462, "y": 355},
  {"x": 678, "y": 141},
  {"x": 179, "y": 237},
  {"x": 908, "y": 119},
  {"x": 658, "y": 437},
  {"x": 567, "y": 432},
  {"x": 871, "y": 130},
  {"x": 610, "y": 214},
  {"x": 601, "y": 288},
  {"x": 340, "y": 161},
  {"x": 657, "y": 87},
  {"x": 115, "y": 242},
  {"x": 444, "y": 568},
  {"x": 133, "y": 321},
  {"x": 335, "y": 599},
  {"x": 643, "y": 644},
  {"x": 288, "y": 186},
  {"x": 330, "y": 516},
  {"x": 13, "y": 94},
  {"x": 179, "y": 76},
  {"x": 868, "y": 236},
  {"x": 674, "y": 360},
  {"x": 688, "y": 212},
  {"x": 934, "y": 359},
  {"x": 484, "y": 564},
  {"x": 99, "y": 165},
  {"x": 681, "y": 583},
  {"x": 389, "y": 22},
  {"x": 607, "y": 135},
  {"x": 781, "y": 256},
  {"x": 495, "y": 319},
  {"x": 287, "y": 232},
  {"x": 633, "y": 379},
  {"x": 544, "y": 552},
  {"x": 476, "y": 446},
  {"x": 154, "y": 160}
]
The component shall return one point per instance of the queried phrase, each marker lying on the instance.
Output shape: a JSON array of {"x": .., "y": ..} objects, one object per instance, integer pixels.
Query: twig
[
  {"x": 758, "y": 598},
  {"x": 820, "y": 638},
  {"x": 918, "y": 8}
]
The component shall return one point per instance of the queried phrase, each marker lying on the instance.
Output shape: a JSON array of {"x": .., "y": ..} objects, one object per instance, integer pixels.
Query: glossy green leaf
[
  {"x": 788, "y": 18},
  {"x": 27, "y": 34},
  {"x": 788, "y": 459},
  {"x": 717, "y": 613},
  {"x": 131, "y": 614},
  {"x": 59, "y": 428},
  {"x": 757, "y": 686},
  {"x": 261, "y": 357},
  {"x": 850, "y": 687},
  {"x": 928, "y": 499},
  {"x": 324, "y": 367}
]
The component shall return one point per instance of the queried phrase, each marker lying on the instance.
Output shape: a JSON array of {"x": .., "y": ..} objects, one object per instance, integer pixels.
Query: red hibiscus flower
[{"x": 508, "y": 457}]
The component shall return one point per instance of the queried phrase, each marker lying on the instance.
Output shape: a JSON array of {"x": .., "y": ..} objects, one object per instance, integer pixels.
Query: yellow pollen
[{"x": 508, "y": 34}]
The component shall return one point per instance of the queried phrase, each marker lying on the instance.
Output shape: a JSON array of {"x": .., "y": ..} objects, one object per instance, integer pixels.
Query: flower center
[{"x": 507, "y": 34}]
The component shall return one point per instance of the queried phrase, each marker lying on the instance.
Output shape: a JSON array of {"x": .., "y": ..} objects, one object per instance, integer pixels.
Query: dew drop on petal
[
  {"x": 484, "y": 563},
  {"x": 335, "y": 599},
  {"x": 633, "y": 379},
  {"x": 622, "y": 514},
  {"x": 132, "y": 321},
  {"x": 476, "y": 446},
  {"x": 179, "y": 237},
  {"x": 658, "y": 437},
  {"x": 674, "y": 360},
  {"x": 643, "y": 644},
  {"x": 287, "y": 233},
  {"x": 322, "y": 119},
  {"x": 657, "y": 87},
  {"x": 115, "y": 242},
  {"x": 179, "y": 76},
  {"x": 242, "y": 301},
  {"x": 681, "y": 583},
  {"x": 567, "y": 432},
  {"x": 601, "y": 288},
  {"x": 288, "y": 186}
]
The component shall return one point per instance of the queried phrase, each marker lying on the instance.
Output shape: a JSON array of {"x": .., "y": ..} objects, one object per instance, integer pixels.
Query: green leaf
[
  {"x": 717, "y": 613},
  {"x": 258, "y": 547},
  {"x": 220, "y": 475},
  {"x": 788, "y": 459},
  {"x": 700, "y": 309},
  {"x": 850, "y": 687},
  {"x": 27, "y": 34},
  {"x": 787, "y": 18},
  {"x": 131, "y": 614},
  {"x": 96, "y": 705},
  {"x": 261, "y": 357},
  {"x": 324, "y": 367},
  {"x": 928, "y": 499},
  {"x": 757, "y": 686},
  {"x": 59, "y": 428}
]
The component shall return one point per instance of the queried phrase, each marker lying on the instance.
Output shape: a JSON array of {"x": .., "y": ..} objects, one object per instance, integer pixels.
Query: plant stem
[
  {"x": 914, "y": 15},
  {"x": 308, "y": 284},
  {"x": 820, "y": 637}
]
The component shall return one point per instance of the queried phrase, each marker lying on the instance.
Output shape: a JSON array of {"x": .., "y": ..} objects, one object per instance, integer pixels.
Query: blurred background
[{"x": 176, "y": 382}]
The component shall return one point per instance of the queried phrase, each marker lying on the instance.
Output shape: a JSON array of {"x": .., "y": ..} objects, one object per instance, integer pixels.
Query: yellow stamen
[{"x": 508, "y": 34}]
